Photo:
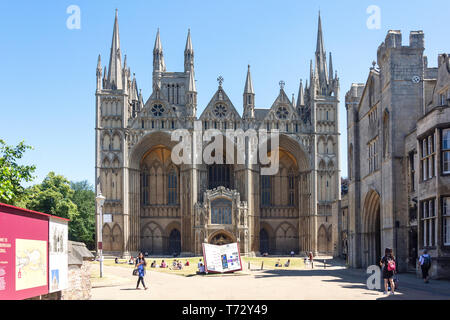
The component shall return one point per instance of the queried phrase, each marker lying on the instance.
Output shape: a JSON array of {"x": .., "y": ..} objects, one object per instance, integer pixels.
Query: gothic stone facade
[
  {"x": 399, "y": 158},
  {"x": 158, "y": 207}
]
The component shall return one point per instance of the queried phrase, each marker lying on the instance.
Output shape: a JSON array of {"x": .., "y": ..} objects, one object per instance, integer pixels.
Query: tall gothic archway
[{"x": 371, "y": 229}]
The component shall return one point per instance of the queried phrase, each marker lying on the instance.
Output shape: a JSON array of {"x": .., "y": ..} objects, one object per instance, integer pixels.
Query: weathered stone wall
[{"x": 79, "y": 283}]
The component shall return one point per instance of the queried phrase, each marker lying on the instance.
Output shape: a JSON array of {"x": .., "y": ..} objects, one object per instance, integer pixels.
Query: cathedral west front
[{"x": 156, "y": 205}]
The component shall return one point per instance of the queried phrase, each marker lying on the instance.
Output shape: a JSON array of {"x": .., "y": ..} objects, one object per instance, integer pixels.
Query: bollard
[
  {"x": 262, "y": 265},
  {"x": 324, "y": 263},
  {"x": 249, "y": 266}
]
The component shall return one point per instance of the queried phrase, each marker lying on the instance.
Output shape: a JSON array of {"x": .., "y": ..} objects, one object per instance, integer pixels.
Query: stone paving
[{"x": 328, "y": 284}]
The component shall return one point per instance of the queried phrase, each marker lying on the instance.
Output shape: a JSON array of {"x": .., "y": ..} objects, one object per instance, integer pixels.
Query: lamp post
[{"x": 100, "y": 199}]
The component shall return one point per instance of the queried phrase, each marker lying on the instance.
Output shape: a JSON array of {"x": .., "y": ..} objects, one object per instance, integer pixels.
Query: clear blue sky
[{"x": 48, "y": 71}]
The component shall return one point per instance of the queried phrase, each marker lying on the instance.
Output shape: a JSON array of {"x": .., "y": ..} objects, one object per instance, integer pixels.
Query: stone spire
[
  {"x": 99, "y": 73},
  {"x": 293, "y": 100},
  {"x": 189, "y": 54},
  {"x": 321, "y": 60},
  {"x": 158, "y": 57},
  {"x": 191, "y": 83},
  {"x": 115, "y": 61},
  {"x": 301, "y": 96},
  {"x": 191, "y": 96},
  {"x": 249, "y": 96},
  {"x": 330, "y": 73},
  {"x": 249, "y": 83}
]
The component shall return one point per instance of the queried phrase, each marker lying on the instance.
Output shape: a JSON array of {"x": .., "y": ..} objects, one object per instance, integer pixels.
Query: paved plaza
[{"x": 332, "y": 283}]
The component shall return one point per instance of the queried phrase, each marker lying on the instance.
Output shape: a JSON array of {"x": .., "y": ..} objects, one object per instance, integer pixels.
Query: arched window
[
  {"x": 172, "y": 187},
  {"x": 221, "y": 212},
  {"x": 385, "y": 134},
  {"x": 144, "y": 187},
  {"x": 350, "y": 162},
  {"x": 219, "y": 175},
  {"x": 265, "y": 191},
  {"x": 291, "y": 179}
]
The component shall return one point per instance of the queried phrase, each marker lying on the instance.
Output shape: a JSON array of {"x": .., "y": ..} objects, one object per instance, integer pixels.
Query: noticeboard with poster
[
  {"x": 222, "y": 259},
  {"x": 25, "y": 253},
  {"x": 58, "y": 247}
]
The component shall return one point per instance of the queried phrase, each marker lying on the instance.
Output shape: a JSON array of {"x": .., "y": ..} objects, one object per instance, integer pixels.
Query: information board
[
  {"x": 23, "y": 254},
  {"x": 59, "y": 259},
  {"x": 222, "y": 259}
]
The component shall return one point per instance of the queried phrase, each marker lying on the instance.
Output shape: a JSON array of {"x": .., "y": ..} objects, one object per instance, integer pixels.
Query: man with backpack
[
  {"x": 425, "y": 265},
  {"x": 389, "y": 268}
]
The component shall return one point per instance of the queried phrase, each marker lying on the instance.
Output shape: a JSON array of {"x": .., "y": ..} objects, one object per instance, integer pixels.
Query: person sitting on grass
[
  {"x": 153, "y": 265},
  {"x": 201, "y": 269},
  {"x": 278, "y": 264},
  {"x": 116, "y": 260},
  {"x": 179, "y": 265},
  {"x": 131, "y": 261},
  {"x": 174, "y": 264},
  {"x": 287, "y": 264},
  {"x": 187, "y": 263},
  {"x": 163, "y": 264}
]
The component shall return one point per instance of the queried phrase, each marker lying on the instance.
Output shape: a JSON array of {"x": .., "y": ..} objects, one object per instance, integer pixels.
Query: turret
[
  {"x": 189, "y": 54},
  {"x": 191, "y": 96},
  {"x": 99, "y": 73},
  {"x": 158, "y": 56},
  {"x": 249, "y": 97}
]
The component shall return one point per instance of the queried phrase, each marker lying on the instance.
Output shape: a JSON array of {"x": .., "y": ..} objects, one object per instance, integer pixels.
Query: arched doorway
[
  {"x": 264, "y": 241},
  {"x": 221, "y": 238},
  {"x": 175, "y": 242},
  {"x": 371, "y": 229}
]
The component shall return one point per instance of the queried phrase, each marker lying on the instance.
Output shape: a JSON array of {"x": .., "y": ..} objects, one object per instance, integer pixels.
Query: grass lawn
[{"x": 255, "y": 264}]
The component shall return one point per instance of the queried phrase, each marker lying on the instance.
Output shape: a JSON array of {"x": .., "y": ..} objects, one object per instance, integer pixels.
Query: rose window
[
  {"x": 158, "y": 110},
  {"x": 282, "y": 113},
  {"x": 220, "y": 111}
]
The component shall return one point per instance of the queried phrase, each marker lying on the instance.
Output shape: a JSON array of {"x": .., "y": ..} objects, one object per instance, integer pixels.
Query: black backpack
[{"x": 426, "y": 261}]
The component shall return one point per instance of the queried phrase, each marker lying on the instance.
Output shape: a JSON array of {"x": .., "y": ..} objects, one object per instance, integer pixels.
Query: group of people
[
  {"x": 278, "y": 264},
  {"x": 387, "y": 263},
  {"x": 389, "y": 268}
]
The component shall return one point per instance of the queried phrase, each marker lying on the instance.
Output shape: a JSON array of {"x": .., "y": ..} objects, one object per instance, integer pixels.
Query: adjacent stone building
[
  {"x": 398, "y": 126},
  {"x": 159, "y": 207}
]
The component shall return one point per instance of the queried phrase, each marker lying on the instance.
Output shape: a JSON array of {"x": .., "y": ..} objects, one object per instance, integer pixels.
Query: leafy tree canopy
[{"x": 12, "y": 174}]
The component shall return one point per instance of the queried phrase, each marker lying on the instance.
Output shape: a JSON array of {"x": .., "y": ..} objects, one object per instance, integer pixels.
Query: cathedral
[{"x": 157, "y": 206}]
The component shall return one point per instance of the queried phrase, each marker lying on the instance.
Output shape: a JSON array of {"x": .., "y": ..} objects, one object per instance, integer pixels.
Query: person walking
[
  {"x": 140, "y": 265},
  {"x": 425, "y": 265},
  {"x": 389, "y": 267},
  {"x": 311, "y": 259}
]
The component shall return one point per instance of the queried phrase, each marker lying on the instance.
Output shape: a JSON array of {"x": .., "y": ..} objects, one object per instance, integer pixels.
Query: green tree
[
  {"x": 12, "y": 174},
  {"x": 71, "y": 200},
  {"x": 54, "y": 196},
  {"x": 84, "y": 223}
]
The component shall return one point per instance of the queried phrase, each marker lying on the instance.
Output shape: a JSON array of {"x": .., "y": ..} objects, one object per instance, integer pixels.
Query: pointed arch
[
  {"x": 152, "y": 238},
  {"x": 106, "y": 142},
  {"x": 330, "y": 146},
  {"x": 107, "y": 238},
  {"x": 116, "y": 145},
  {"x": 117, "y": 239},
  {"x": 322, "y": 240},
  {"x": 286, "y": 238}
]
